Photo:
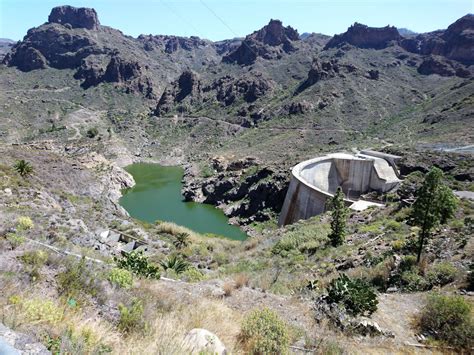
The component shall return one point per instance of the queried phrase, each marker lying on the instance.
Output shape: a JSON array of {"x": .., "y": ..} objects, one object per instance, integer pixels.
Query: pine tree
[
  {"x": 434, "y": 205},
  {"x": 338, "y": 222}
]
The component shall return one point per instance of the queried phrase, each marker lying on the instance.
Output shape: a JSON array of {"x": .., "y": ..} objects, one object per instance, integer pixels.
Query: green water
[{"x": 157, "y": 196}]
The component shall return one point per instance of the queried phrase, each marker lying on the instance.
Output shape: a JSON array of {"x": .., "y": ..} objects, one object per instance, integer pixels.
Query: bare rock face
[
  {"x": 189, "y": 89},
  {"x": 270, "y": 42},
  {"x": 363, "y": 36},
  {"x": 29, "y": 58},
  {"x": 456, "y": 42},
  {"x": 127, "y": 73},
  {"x": 438, "y": 65},
  {"x": 298, "y": 108},
  {"x": 251, "y": 87},
  {"x": 188, "y": 86},
  {"x": 81, "y": 17},
  {"x": 171, "y": 44},
  {"x": 119, "y": 70},
  {"x": 319, "y": 71}
]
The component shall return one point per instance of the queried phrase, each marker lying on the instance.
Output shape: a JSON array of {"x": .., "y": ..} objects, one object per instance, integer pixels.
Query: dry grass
[
  {"x": 228, "y": 288},
  {"x": 241, "y": 280}
]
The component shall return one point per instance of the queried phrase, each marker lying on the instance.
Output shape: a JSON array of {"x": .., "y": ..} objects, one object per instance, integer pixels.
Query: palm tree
[
  {"x": 181, "y": 240},
  {"x": 23, "y": 168},
  {"x": 175, "y": 263}
]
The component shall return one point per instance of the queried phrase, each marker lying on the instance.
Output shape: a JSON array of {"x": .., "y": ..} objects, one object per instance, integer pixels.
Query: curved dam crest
[{"x": 314, "y": 182}]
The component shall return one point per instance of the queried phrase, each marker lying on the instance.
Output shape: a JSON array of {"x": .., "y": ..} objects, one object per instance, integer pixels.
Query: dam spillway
[{"x": 313, "y": 182}]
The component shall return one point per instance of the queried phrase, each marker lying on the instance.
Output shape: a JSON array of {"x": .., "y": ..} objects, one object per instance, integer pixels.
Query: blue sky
[{"x": 220, "y": 19}]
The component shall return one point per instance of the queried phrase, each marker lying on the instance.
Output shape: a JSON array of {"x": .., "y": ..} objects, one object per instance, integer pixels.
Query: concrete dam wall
[{"x": 314, "y": 182}]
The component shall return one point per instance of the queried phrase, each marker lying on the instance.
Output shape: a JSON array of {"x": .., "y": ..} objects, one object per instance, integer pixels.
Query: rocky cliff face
[
  {"x": 171, "y": 44},
  {"x": 269, "y": 42},
  {"x": 363, "y": 36},
  {"x": 188, "y": 86},
  {"x": 63, "y": 44},
  {"x": 456, "y": 42},
  {"x": 243, "y": 188},
  {"x": 75, "y": 17},
  {"x": 190, "y": 90}
]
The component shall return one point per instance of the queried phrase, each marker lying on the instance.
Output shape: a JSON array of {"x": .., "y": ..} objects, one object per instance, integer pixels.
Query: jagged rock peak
[
  {"x": 363, "y": 36},
  {"x": 270, "y": 42},
  {"x": 275, "y": 33},
  {"x": 77, "y": 17}
]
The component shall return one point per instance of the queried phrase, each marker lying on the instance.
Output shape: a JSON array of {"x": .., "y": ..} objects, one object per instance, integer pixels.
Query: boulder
[
  {"x": 368, "y": 327},
  {"x": 81, "y": 17},
  {"x": 200, "y": 341}
]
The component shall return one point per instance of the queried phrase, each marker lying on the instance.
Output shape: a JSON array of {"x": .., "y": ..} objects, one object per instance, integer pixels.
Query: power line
[
  {"x": 187, "y": 22},
  {"x": 219, "y": 18}
]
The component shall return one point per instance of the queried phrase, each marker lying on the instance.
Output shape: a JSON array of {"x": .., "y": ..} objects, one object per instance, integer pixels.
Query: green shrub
[
  {"x": 379, "y": 275},
  {"x": 305, "y": 238},
  {"x": 36, "y": 258},
  {"x": 24, "y": 223},
  {"x": 15, "y": 240},
  {"x": 138, "y": 263},
  {"x": 411, "y": 245},
  {"x": 41, "y": 311},
  {"x": 355, "y": 294},
  {"x": 263, "y": 332},
  {"x": 412, "y": 281},
  {"x": 181, "y": 240},
  {"x": 449, "y": 319},
  {"x": 441, "y": 274},
  {"x": 175, "y": 263},
  {"x": 398, "y": 245},
  {"x": 192, "y": 275},
  {"x": 23, "y": 168},
  {"x": 131, "y": 318},
  {"x": 77, "y": 280},
  {"x": 120, "y": 277},
  {"x": 92, "y": 132},
  {"x": 408, "y": 263},
  {"x": 393, "y": 225}
]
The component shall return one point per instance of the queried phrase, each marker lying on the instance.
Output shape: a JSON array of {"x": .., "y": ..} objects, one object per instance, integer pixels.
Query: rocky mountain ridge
[{"x": 363, "y": 80}]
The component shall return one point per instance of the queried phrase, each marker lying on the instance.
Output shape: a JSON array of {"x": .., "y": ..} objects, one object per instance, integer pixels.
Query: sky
[{"x": 222, "y": 19}]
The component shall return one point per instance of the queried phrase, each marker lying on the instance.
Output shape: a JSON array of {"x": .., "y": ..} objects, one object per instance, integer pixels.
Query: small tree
[
  {"x": 23, "y": 168},
  {"x": 435, "y": 204},
  {"x": 181, "y": 240},
  {"x": 339, "y": 215}
]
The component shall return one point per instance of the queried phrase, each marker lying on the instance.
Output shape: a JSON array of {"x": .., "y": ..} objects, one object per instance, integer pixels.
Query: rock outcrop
[
  {"x": 81, "y": 17},
  {"x": 242, "y": 188},
  {"x": 270, "y": 42},
  {"x": 188, "y": 86},
  {"x": 12, "y": 342},
  {"x": 127, "y": 73},
  {"x": 319, "y": 71},
  {"x": 202, "y": 341},
  {"x": 188, "y": 90},
  {"x": 363, "y": 36},
  {"x": 54, "y": 46},
  {"x": 439, "y": 65},
  {"x": 456, "y": 42},
  {"x": 171, "y": 44}
]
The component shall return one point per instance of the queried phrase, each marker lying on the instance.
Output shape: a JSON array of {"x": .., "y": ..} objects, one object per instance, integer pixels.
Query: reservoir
[{"x": 157, "y": 196}]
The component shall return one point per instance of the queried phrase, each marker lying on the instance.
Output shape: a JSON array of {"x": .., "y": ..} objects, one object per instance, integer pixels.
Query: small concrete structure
[{"x": 314, "y": 182}]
